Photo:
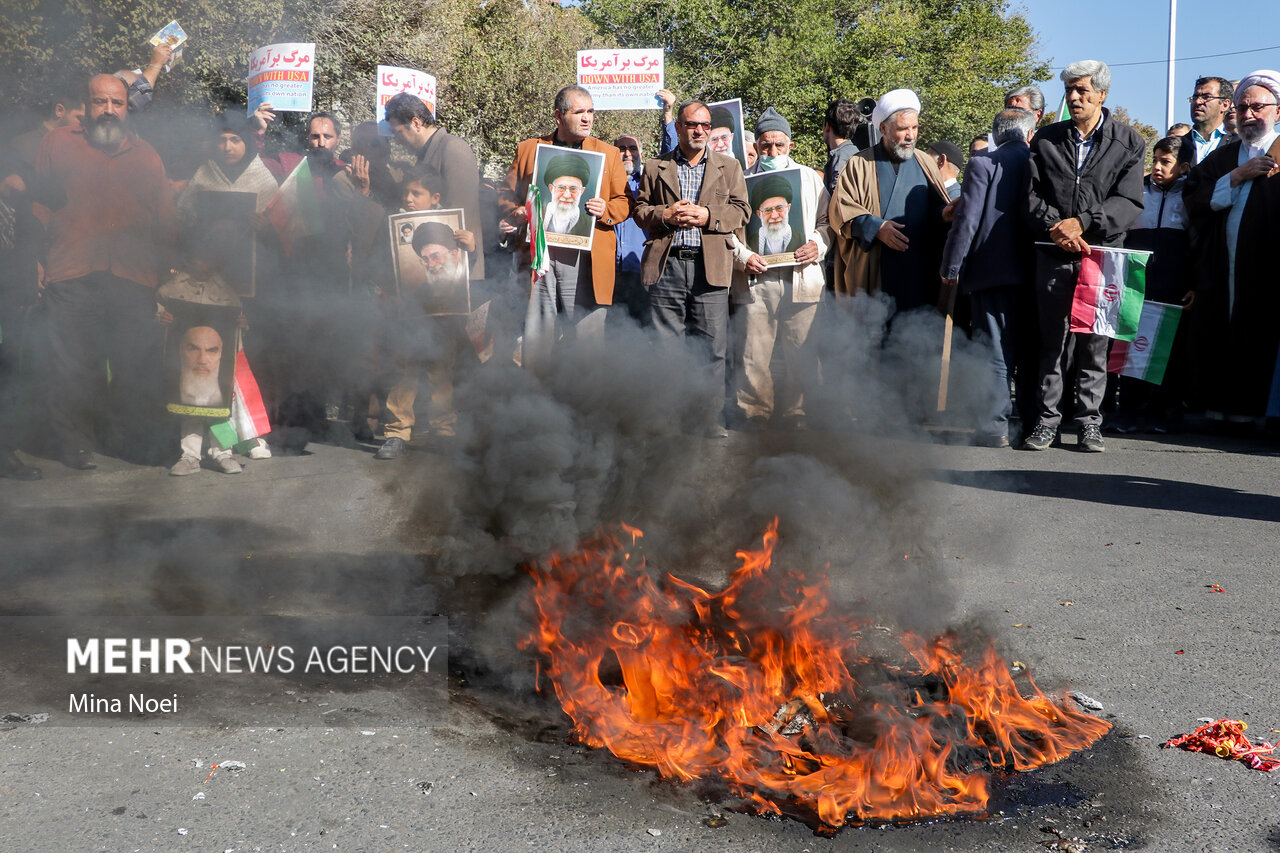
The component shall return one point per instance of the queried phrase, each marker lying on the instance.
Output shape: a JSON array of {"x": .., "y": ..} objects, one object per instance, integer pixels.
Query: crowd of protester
[{"x": 102, "y": 246}]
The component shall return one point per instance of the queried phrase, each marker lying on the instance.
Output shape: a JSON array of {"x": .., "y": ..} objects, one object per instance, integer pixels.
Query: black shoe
[
  {"x": 392, "y": 448},
  {"x": 81, "y": 460},
  {"x": 13, "y": 468},
  {"x": 1041, "y": 437},
  {"x": 1091, "y": 439}
]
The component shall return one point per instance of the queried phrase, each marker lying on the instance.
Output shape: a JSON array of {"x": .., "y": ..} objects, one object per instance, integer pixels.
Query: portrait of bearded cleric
[
  {"x": 566, "y": 178},
  {"x": 432, "y": 269},
  {"x": 776, "y": 227}
]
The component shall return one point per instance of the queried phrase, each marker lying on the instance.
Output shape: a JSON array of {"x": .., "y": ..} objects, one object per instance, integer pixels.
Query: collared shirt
[
  {"x": 1205, "y": 147},
  {"x": 690, "y": 186},
  {"x": 113, "y": 211},
  {"x": 1085, "y": 146}
]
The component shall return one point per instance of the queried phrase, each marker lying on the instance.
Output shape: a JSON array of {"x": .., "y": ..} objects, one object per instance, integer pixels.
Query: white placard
[
  {"x": 282, "y": 75},
  {"x": 392, "y": 80},
  {"x": 622, "y": 79}
]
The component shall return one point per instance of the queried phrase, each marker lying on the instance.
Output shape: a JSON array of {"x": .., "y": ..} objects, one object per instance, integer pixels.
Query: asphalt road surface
[{"x": 1097, "y": 572}]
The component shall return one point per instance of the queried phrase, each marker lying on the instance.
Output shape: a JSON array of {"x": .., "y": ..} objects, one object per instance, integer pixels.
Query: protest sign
[
  {"x": 566, "y": 178},
  {"x": 776, "y": 227},
  {"x": 432, "y": 269},
  {"x": 621, "y": 79},
  {"x": 392, "y": 80},
  {"x": 282, "y": 75}
]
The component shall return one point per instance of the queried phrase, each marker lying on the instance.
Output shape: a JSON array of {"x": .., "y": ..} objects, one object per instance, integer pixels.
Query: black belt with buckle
[{"x": 687, "y": 253}]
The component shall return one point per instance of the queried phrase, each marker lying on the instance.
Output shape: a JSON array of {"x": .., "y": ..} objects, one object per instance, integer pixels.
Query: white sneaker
[{"x": 260, "y": 451}]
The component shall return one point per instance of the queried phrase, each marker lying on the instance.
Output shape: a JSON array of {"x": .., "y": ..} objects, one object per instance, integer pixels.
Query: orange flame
[{"x": 760, "y": 686}]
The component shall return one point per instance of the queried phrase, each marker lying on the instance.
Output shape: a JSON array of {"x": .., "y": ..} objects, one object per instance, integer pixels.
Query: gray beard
[
  {"x": 106, "y": 135},
  {"x": 774, "y": 238},
  {"x": 629, "y": 166},
  {"x": 449, "y": 275},
  {"x": 1252, "y": 134},
  {"x": 197, "y": 389},
  {"x": 560, "y": 218},
  {"x": 901, "y": 152}
]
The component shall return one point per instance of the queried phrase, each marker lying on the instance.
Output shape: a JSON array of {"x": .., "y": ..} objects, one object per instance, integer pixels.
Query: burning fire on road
[{"x": 762, "y": 689}]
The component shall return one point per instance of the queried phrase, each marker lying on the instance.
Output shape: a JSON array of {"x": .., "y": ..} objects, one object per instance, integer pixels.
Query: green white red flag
[
  {"x": 1109, "y": 293},
  {"x": 1063, "y": 112},
  {"x": 295, "y": 210},
  {"x": 248, "y": 413},
  {"x": 539, "y": 260},
  {"x": 1147, "y": 356}
]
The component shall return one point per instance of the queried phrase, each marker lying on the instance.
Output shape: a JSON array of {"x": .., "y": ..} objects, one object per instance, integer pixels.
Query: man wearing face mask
[
  {"x": 113, "y": 214},
  {"x": 779, "y": 304}
]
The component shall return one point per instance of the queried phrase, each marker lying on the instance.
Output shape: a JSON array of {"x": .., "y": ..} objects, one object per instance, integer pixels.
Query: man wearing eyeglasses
[
  {"x": 1233, "y": 199},
  {"x": 691, "y": 201},
  {"x": 1209, "y": 106},
  {"x": 580, "y": 283}
]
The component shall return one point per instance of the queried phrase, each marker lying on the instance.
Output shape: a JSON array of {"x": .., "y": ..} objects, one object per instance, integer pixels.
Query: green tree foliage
[
  {"x": 959, "y": 55},
  {"x": 49, "y": 41},
  {"x": 1148, "y": 133}
]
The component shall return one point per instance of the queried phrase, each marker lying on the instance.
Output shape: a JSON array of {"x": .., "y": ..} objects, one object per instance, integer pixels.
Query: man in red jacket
[{"x": 113, "y": 215}]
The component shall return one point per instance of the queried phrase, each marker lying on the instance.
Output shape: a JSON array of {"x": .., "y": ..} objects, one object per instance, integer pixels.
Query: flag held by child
[
  {"x": 1109, "y": 292},
  {"x": 1147, "y": 356}
]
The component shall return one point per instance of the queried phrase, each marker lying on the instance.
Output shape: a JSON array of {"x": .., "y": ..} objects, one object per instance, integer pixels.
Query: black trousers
[
  {"x": 1062, "y": 351},
  {"x": 104, "y": 349}
]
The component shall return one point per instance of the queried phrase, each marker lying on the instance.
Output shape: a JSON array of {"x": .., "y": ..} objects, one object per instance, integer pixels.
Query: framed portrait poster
[
  {"x": 200, "y": 358},
  {"x": 776, "y": 227},
  {"x": 432, "y": 270},
  {"x": 566, "y": 179},
  {"x": 727, "y": 130}
]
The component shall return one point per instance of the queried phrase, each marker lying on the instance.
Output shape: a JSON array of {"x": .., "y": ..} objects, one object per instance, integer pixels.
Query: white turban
[
  {"x": 1265, "y": 77},
  {"x": 892, "y": 102}
]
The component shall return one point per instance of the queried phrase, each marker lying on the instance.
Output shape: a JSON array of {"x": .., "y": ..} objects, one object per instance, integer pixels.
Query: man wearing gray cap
[
  {"x": 1233, "y": 199},
  {"x": 783, "y": 298},
  {"x": 887, "y": 212}
]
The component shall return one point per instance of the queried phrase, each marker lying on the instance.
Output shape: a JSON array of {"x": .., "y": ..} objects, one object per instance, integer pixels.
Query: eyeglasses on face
[{"x": 1256, "y": 107}]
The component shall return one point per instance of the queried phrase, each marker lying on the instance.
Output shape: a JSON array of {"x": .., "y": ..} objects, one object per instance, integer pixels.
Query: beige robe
[{"x": 857, "y": 194}]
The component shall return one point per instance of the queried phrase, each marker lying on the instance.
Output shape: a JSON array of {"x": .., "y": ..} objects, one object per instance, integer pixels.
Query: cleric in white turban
[
  {"x": 1233, "y": 199},
  {"x": 887, "y": 212}
]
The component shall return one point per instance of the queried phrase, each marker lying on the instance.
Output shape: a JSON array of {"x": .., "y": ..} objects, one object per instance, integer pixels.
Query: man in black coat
[
  {"x": 989, "y": 256},
  {"x": 1084, "y": 189}
]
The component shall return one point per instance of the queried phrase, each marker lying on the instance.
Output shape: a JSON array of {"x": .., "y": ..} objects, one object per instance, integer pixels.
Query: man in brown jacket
[
  {"x": 691, "y": 201},
  {"x": 580, "y": 283}
]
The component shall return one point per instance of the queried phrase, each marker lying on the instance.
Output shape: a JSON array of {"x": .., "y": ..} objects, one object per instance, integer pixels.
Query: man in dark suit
[
  {"x": 989, "y": 256},
  {"x": 691, "y": 201}
]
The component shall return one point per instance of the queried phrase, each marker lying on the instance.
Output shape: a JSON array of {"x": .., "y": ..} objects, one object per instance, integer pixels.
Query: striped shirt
[{"x": 690, "y": 186}]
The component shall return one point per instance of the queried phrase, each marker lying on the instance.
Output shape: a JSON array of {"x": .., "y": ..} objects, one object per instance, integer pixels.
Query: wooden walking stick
[{"x": 948, "y": 305}]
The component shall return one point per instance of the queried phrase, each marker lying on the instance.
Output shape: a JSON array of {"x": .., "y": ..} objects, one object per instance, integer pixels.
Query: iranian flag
[
  {"x": 1109, "y": 289},
  {"x": 295, "y": 210},
  {"x": 248, "y": 414},
  {"x": 1148, "y": 355},
  {"x": 539, "y": 260},
  {"x": 1063, "y": 112}
]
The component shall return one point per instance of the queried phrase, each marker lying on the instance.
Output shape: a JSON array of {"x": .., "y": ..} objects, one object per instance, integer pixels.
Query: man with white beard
[
  {"x": 1233, "y": 199},
  {"x": 113, "y": 213},
  {"x": 566, "y": 177},
  {"x": 781, "y": 299},
  {"x": 442, "y": 258},
  {"x": 887, "y": 212},
  {"x": 198, "y": 386}
]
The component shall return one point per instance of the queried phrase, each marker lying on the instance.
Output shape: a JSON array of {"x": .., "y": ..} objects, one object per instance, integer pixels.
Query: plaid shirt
[{"x": 690, "y": 186}]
